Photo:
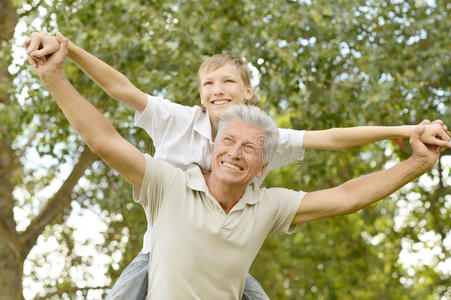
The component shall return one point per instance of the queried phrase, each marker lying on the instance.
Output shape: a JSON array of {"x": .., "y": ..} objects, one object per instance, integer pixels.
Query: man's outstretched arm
[
  {"x": 365, "y": 190},
  {"x": 95, "y": 129},
  {"x": 41, "y": 46}
]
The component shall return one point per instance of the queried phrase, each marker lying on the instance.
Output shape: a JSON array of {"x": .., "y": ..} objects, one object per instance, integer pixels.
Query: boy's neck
[{"x": 214, "y": 128}]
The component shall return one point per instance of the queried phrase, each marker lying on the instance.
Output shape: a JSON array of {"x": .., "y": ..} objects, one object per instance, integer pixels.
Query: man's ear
[{"x": 262, "y": 170}]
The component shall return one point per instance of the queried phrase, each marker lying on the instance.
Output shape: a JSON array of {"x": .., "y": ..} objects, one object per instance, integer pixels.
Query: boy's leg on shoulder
[
  {"x": 253, "y": 290},
  {"x": 132, "y": 284}
]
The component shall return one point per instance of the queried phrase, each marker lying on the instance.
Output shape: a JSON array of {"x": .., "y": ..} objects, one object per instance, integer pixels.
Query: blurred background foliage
[{"x": 317, "y": 65}]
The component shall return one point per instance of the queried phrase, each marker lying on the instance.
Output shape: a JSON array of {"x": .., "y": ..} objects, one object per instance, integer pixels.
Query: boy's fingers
[
  {"x": 60, "y": 35},
  {"x": 425, "y": 122},
  {"x": 47, "y": 50},
  {"x": 64, "y": 42},
  {"x": 438, "y": 122},
  {"x": 27, "y": 42},
  {"x": 34, "y": 44},
  {"x": 443, "y": 134},
  {"x": 442, "y": 143},
  {"x": 61, "y": 38}
]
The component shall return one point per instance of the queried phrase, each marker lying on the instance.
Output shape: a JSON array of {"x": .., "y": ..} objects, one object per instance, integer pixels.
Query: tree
[{"x": 319, "y": 65}]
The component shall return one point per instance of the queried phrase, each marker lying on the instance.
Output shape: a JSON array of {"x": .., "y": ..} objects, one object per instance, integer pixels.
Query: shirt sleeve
[
  {"x": 289, "y": 148},
  {"x": 162, "y": 117},
  {"x": 285, "y": 206},
  {"x": 159, "y": 178}
]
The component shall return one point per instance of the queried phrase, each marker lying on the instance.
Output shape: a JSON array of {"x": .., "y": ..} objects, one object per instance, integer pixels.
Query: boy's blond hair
[{"x": 220, "y": 60}]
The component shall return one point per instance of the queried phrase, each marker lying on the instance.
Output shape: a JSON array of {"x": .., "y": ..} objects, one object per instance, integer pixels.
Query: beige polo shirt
[{"x": 196, "y": 250}]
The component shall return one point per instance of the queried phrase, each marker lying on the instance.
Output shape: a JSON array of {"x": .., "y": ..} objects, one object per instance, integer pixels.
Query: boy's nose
[{"x": 218, "y": 90}]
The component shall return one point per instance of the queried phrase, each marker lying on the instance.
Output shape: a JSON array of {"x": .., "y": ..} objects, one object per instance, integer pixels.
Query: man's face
[
  {"x": 221, "y": 88},
  {"x": 238, "y": 153}
]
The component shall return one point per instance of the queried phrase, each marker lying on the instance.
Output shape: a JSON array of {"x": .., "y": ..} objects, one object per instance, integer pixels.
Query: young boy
[{"x": 183, "y": 135}]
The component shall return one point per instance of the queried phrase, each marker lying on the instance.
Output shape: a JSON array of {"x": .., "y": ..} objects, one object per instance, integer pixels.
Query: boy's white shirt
[{"x": 182, "y": 136}]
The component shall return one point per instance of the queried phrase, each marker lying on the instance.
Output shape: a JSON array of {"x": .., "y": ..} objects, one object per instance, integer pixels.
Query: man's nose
[{"x": 236, "y": 152}]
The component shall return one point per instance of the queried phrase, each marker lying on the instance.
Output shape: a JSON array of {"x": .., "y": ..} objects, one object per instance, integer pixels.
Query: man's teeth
[
  {"x": 228, "y": 165},
  {"x": 220, "y": 102}
]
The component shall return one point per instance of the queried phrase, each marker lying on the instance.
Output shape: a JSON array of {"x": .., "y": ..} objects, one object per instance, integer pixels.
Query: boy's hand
[
  {"x": 40, "y": 46},
  {"x": 435, "y": 133}
]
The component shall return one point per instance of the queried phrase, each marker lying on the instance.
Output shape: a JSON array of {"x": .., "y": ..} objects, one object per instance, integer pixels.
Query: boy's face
[{"x": 221, "y": 88}]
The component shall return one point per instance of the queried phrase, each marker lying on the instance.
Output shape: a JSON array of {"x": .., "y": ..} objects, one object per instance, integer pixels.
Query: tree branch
[
  {"x": 32, "y": 9},
  {"x": 12, "y": 242},
  {"x": 29, "y": 142},
  {"x": 56, "y": 205},
  {"x": 70, "y": 290}
]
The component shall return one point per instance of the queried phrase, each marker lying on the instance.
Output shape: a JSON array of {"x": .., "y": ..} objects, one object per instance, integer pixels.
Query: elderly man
[{"x": 207, "y": 228}]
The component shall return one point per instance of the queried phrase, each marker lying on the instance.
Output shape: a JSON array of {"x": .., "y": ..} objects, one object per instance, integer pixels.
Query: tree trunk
[
  {"x": 14, "y": 245},
  {"x": 11, "y": 262},
  {"x": 11, "y": 268}
]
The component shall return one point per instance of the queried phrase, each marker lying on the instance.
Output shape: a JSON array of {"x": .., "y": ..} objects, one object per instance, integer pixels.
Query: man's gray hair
[{"x": 253, "y": 116}]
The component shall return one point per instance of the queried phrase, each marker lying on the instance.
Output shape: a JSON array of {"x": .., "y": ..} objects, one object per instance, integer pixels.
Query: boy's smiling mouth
[{"x": 220, "y": 101}]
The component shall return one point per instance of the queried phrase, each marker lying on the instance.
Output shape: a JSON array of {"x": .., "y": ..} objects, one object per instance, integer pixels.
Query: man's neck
[{"x": 227, "y": 195}]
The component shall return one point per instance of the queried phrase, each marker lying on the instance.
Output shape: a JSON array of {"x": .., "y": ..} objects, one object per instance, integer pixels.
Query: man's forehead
[{"x": 241, "y": 129}]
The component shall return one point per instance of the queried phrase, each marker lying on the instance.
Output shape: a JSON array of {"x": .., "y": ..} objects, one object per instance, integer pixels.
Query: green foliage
[{"x": 320, "y": 65}]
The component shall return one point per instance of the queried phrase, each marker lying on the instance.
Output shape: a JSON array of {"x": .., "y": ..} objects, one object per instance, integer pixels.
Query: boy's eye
[
  {"x": 229, "y": 81},
  {"x": 207, "y": 82}
]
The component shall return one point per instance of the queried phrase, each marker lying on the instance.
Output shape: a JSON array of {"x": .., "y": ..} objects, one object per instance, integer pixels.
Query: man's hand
[
  {"x": 435, "y": 133},
  {"x": 50, "y": 63},
  {"x": 425, "y": 155},
  {"x": 40, "y": 46}
]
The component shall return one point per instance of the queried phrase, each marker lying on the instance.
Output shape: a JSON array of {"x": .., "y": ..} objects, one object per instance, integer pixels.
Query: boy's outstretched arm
[
  {"x": 95, "y": 129},
  {"x": 40, "y": 46},
  {"x": 435, "y": 133}
]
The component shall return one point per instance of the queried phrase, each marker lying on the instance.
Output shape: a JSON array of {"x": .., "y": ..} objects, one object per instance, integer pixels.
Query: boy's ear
[{"x": 249, "y": 97}]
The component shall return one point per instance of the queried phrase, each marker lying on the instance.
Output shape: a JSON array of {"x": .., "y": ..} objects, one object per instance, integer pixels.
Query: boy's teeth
[
  {"x": 231, "y": 166},
  {"x": 220, "y": 102}
]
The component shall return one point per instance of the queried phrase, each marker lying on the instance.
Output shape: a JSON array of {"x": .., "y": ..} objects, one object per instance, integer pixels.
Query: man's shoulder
[
  {"x": 273, "y": 195},
  {"x": 159, "y": 167}
]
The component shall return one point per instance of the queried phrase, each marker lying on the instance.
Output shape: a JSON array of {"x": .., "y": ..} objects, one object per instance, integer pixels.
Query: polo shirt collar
[
  {"x": 202, "y": 124},
  {"x": 196, "y": 181}
]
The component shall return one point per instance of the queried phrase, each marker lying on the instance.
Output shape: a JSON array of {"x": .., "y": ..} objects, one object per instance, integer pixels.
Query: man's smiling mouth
[{"x": 231, "y": 166}]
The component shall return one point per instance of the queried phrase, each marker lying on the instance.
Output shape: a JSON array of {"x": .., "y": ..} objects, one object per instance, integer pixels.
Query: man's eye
[
  {"x": 249, "y": 149},
  {"x": 227, "y": 140}
]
